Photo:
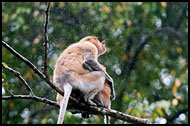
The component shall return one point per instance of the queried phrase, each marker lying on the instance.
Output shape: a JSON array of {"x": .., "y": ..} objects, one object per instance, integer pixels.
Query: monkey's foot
[
  {"x": 98, "y": 103},
  {"x": 90, "y": 102}
]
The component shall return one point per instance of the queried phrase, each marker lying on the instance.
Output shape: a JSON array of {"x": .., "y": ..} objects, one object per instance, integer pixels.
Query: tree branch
[
  {"x": 33, "y": 67},
  {"x": 103, "y": 111},
  {"x": 33, "y": 97},
  {"x": 17, "y": 74},
  {"x": 97, "y": 110},
  {"x": 46, "y": 39}
]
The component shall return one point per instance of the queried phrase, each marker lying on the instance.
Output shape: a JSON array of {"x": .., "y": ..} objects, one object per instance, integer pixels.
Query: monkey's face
[{"x": 102, "y": 47}]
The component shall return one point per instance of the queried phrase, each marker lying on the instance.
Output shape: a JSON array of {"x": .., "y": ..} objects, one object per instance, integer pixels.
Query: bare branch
[
  {"x": 33, "y": 97},
  {"x": 10, "y": 92},
  {"x": 17, "y": 74},
  {"x": 46, "y": 39},
  {"x": 33, "y": 67}
]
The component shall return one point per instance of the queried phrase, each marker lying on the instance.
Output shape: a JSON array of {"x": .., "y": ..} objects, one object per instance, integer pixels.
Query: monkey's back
[{"x": 72, "y": 58}]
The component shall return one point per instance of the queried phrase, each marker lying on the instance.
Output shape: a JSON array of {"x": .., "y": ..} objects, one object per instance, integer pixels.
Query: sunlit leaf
[
  {"x": 175, "y": 102},
  {"x": 11, "y": 105},
  {"x": 119, "y": 8},
  {"x": 180, "y": 98},
  {"x": 106, "y": 9},
  {"x": 179, "y": 50},
  {"x": 159, "y": 110},
  {"x": 44, "y": 121},
  {"x": 138, "y": 94},
  {"x": 182, "y": 76},
  {"x": 128, "y": 110},
  {"x": 124, "y": 57},
  {"x": 3, "y": 75},
  {"x": 52, "y": 4},
  {"x": 97, "y": 119},
  {"x": 6, "y": 86},
  {"x": 36, "y": 13},
  {"x": 61, "y": 4},
  {"x": 176, "y": 86},
  {"x": 129, "y": 22},
  {"x": 163, "y": 4},
  {"x": 4, "y": 64}
]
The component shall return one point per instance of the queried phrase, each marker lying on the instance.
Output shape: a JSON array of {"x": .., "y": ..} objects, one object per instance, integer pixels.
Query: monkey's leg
[
  {"x": 89, "y": 84},
  {"x": 67, "y": 91},
  {"x": 91, "y": 64}
]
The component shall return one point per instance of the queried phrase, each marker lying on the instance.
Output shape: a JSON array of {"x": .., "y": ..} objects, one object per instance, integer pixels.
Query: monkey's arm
[{"x": 92, "y": 65}]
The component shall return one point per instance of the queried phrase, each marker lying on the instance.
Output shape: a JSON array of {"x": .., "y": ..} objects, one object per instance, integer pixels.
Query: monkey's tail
[
  {"x": 67, "y": 92},
  {"x": 106, "y": 117}
]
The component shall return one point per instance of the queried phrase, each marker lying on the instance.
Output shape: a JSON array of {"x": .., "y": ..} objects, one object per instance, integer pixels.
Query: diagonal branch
[
  {"x": 33, "y": 67},
  {"x": 103, "y": 111},
  {"x": 17, "y": 74},
  {"x": 144, "y": 41},
  {"x": 46, "y": 39}
]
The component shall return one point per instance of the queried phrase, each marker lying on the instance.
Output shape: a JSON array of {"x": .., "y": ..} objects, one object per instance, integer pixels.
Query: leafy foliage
[{"x": 155, "y": 87}]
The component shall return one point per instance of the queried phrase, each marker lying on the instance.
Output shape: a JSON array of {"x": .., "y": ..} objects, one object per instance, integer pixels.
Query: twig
[
  {"x": 103, "y": 111},
  {"x": 33, "y": 97},
  {"x": 10, "y": 92},
  {"x": 33, "y": 67},
  {"x": 46, "y": 39},
  {"x": 17, "y": 74}
]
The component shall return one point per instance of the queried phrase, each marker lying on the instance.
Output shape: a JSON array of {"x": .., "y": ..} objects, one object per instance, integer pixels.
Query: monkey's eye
[{"x": 88, "y": 39}]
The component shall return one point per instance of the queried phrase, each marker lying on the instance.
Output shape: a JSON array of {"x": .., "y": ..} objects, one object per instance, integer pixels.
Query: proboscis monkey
[{"x": 69, "y": 72}]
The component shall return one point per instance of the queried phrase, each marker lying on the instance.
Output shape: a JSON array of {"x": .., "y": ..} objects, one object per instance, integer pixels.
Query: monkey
[
  {"x": 69, "y": 72},
  {"x": 103, "y": 98}
]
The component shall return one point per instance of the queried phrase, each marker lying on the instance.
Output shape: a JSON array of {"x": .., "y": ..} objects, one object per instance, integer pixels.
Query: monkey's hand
[{"x": 92, "y": 65}]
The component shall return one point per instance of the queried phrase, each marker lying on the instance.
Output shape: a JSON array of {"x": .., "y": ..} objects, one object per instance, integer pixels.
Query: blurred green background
[{"x": 154, "y": 85}]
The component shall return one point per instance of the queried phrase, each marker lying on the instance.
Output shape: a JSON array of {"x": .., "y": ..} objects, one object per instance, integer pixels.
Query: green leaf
[
  {"x": 4, "y": 64},
  {"x": 6, "y": 86}
]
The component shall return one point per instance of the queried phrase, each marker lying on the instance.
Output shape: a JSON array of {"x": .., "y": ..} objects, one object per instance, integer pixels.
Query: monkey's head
[{"x": 101, "y": 46}]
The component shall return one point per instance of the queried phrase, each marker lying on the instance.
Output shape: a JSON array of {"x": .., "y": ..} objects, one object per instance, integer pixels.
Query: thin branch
[
  {"x": 10, "y": 92},
  {"x": 33, "y": 67},
  {"x": 103, "y": 111},
  {"x": 17, "y": 74},
  {"x": 33, "y": 97},
  {"x": 46, "y": 39}
]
